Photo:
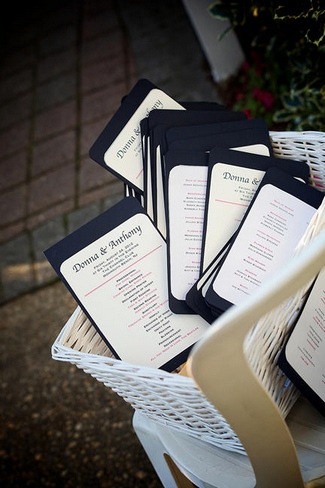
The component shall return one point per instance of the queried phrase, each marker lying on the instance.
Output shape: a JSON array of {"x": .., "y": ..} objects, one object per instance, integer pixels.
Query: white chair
[{"x": 219, "y": 366}]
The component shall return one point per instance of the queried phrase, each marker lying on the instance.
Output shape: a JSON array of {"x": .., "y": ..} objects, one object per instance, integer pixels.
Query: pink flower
[
  {"x": 245, "y": 66},
  {"x": 248, "y": 113},
  {"x": 265, "y": 97}
]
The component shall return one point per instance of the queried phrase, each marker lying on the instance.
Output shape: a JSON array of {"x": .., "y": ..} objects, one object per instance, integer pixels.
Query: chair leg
[
  {"x": 145, "y": 431},
  {"x": 180, "y": 479}
]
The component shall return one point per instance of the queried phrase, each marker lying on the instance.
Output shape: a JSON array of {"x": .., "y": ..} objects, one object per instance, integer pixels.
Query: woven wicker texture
[
  {"x": 174, "y": 400},
  {"x": 303, "y": 146}
]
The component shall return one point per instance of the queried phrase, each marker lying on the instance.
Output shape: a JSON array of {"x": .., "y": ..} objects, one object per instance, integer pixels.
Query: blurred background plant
[{"x": 283, "y": 77}]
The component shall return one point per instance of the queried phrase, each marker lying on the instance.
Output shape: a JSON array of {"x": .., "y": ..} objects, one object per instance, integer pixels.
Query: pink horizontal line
[
  {"x": 232, "y": 203},
  {"x": 139, "y": 174},
  {"x": 122, "y": 271}
]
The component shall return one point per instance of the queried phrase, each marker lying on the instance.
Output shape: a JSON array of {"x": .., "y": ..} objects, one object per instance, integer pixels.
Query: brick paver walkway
[{"x": 64, "y": 68}]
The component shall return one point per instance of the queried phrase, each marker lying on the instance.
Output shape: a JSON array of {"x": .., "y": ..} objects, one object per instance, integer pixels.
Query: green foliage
[{"x": 284, "y": 43}]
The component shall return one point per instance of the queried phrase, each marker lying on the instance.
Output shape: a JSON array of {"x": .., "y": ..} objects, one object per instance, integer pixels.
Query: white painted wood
[{"x": 224, "y": 56}]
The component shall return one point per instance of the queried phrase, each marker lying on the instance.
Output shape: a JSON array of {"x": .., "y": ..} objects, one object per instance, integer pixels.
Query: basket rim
[{"x": 309, "y": 135}]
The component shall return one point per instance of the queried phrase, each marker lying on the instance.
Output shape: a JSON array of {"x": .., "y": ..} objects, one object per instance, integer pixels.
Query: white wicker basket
[{"x": 172, "y": 399}]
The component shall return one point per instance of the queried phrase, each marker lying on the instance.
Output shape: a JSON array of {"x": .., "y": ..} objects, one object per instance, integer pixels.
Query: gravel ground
[{"x": 59, "y": 426}]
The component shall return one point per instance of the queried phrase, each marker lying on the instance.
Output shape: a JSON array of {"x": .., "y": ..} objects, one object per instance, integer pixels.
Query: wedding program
[
  {"x": 303, "y": 357},
  {"x": 115, "y": 266}
]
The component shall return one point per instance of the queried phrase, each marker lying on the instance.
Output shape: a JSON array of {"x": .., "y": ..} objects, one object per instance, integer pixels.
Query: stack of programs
[{"x": 208, "y": 215}]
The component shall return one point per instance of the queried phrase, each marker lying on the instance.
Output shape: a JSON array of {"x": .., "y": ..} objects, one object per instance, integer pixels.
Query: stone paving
[{"x": 64, "y": 69}]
